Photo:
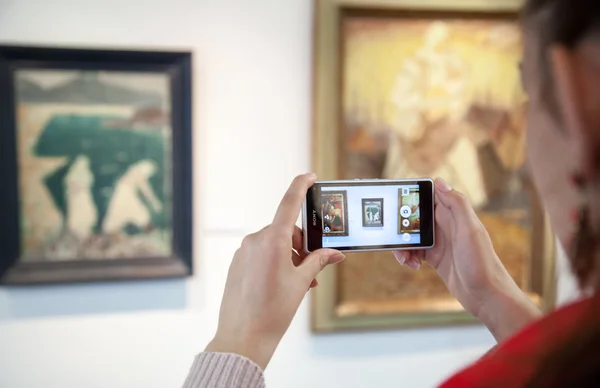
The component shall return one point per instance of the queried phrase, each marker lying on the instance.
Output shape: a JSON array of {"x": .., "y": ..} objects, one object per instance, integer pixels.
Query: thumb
[
  {"x": 456, "y": 202},
  {"x": 318, "y": 260}
]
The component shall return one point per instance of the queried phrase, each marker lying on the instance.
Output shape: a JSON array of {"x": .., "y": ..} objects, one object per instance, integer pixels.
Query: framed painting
[
  {"x": 372, "y": 211},
  {"x": 334, "y": 208},
  {"x": 411, "y": 89},
  {"x": 409, "y": 211},
  {"x": 95, "y": 147}
]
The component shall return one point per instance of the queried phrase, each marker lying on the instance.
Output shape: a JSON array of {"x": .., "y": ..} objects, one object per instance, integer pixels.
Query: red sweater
[{"x": 514, "y": 362}]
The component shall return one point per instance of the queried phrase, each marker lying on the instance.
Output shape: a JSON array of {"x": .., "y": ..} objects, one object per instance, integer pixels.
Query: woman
[{"x": 561, "y": 73}]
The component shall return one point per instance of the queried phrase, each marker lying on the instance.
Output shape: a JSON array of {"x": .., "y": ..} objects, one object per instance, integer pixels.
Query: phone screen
[{"x": 373, "y": 215}]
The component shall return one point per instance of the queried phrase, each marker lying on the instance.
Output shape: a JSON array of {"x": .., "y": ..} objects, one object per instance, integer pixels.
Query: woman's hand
[
  {"x": 268, "y": 278},
  {"x": 467, "y": 263}
]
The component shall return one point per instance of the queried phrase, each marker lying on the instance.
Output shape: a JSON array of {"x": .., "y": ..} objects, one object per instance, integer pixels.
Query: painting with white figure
[
  {"x": 428, "y": 97},
  {"x": 94, "y": 164}
]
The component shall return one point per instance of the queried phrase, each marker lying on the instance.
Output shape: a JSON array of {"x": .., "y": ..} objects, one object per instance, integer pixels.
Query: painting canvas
[
  {"x": 420, "y": 99},
  {"x": 409, "y": 212},
  {"x": 372, "y": 212},
  {"x": 335, "y": 211},
  {"x": 427, "y": 94},
  {"x": 93, "y": 164},
  {"x": 97, "y": 146}
]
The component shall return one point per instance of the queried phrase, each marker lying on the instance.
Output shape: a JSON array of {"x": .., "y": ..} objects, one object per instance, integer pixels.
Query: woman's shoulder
[{"x": 516, "y": 360}]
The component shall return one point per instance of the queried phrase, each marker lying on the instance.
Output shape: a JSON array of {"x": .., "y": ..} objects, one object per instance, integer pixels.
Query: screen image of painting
[
  {"x": 429, "y": 97},
  {"x": 334, "y": 211},
  {"x": 94, "y": 164},
  {"x": 372, "y": 212},
  {"x": 409, "y": 212}
]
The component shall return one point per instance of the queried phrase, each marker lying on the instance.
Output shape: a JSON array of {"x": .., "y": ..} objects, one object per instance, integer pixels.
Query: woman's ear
[{"x": 576, "y": 93}]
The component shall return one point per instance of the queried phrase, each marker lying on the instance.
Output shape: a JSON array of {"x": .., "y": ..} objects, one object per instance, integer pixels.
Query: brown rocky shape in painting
[
  {"x": 145, "y": 117},
  {"x": 365, "y": 154},
  {"x": 505, "y": 131},
  {"x": 361, "y": 141},
  {"x": 426, "y": 154},
  {"x": 489, "y": 119},
  {"x": 150, "y": 115},
  {"x": 369, "y": 142},
  {"x": 496, "y": 177}
]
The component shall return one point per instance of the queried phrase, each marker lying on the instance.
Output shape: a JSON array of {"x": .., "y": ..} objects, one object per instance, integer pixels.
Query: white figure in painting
[
  {"x": 126, "y": 208},
  {"x": 372, "y": 214},
  {"x": 376, "y": 217},
  {"x": 430, "y": 95},
  {"x": 81, "y": 211}
]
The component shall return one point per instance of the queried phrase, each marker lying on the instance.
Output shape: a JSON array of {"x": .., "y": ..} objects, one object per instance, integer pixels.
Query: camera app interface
[{"x": 369, "y": 216}]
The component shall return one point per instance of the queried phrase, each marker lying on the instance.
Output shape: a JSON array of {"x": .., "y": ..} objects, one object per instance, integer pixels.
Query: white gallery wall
[{"x": 252, "y": 99}]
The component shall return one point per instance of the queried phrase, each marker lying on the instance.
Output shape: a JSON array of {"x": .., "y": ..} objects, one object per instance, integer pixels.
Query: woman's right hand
[{"x": 465, "y": 260}]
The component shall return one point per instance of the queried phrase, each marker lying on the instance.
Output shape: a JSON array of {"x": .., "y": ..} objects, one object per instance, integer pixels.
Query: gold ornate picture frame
[{"x": 375, "y": 62}]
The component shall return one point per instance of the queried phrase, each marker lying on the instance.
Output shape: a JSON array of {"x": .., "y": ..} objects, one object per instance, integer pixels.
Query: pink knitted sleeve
[{"x": 220, "y": 370}]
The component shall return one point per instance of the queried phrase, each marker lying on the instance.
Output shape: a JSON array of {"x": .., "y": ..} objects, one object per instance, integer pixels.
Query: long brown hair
[{"x": 574, "y": 361}]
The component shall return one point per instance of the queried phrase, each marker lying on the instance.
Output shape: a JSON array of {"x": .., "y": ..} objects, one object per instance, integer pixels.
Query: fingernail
[
  {"x": 414, "y": 265},
  {"x": 402, "y": 258},
  {"x": 336, "y": 258},
  {"x": 312, "y": 176},
  {"x": 444, "y": 187},
  {"x": 398, "y": 256}
]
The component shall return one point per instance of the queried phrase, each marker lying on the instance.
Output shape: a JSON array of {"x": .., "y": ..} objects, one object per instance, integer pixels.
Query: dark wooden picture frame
[
  {"x": 365, "y": 222},
  {"x": 176, "y": 69}
]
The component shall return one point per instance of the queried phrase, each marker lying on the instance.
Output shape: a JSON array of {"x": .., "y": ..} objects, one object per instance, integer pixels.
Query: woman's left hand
[{"x": 268, "y": 278}]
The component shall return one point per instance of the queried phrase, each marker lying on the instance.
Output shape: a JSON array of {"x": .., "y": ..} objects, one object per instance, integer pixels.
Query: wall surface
[{"x": 252, "y": 135}]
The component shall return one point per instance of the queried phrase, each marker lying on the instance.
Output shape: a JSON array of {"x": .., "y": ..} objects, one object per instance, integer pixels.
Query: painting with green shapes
[{"x": 93, "y": 151}]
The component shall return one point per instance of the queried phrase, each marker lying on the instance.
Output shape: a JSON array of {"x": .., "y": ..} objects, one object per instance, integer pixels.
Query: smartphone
[{"x": 369, "y": 215}]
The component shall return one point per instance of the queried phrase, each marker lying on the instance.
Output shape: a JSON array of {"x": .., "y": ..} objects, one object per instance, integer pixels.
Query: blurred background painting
[
  {"x": 93, "y": 164},
  {"x": 428, "y": 94},
  {"x": 91, "y": 142},
  {"x": 435, "y": 97}
]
